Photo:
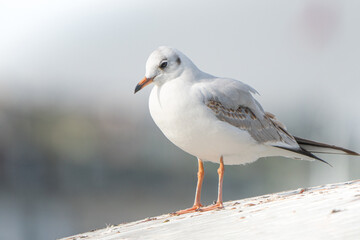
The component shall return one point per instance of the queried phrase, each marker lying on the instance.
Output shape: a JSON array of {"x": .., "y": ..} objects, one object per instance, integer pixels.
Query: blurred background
[{"x": 79, "y": 151}]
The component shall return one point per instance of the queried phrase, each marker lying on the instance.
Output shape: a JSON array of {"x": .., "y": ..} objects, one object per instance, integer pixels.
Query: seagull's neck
[
  {"x": 193, "y": 74},
  {"x": 189, "y": 65}
]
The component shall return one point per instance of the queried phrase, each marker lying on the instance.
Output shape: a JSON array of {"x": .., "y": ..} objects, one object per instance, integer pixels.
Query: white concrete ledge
[{"x": 325, "y": 212}]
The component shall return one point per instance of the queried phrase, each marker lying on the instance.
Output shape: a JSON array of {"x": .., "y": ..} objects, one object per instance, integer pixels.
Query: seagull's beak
[{"x": 145, "y": 81}]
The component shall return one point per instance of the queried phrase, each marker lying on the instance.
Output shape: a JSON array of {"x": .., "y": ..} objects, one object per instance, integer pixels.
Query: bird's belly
[{"x": 193, "y": 128}]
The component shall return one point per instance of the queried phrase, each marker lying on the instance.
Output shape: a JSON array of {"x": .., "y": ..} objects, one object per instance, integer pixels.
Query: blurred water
[{"x": 79, "y": 151}]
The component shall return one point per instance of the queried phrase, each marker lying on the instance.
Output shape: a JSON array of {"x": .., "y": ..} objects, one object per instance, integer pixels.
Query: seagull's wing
[
  {"x": 262, "y": 129},
  {"x": 231, "y": 101}
]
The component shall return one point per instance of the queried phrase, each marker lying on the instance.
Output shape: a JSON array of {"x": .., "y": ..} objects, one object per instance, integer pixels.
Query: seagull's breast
[{"x": 181, "y": 114}]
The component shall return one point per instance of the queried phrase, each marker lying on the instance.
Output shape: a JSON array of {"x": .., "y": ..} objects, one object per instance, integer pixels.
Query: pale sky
[{"x": 295, "y": 53}]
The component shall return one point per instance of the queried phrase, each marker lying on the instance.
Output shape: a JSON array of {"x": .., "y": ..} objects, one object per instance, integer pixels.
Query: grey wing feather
[
  {"x": 232, "y": 102},
  {"x": 264, "y": 129},
  {"x": 230, "y": 93},
  {"x": 267, "y": 130}
]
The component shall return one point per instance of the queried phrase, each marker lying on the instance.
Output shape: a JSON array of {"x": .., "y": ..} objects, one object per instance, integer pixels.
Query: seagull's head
[{"x": 163, "y": 64}]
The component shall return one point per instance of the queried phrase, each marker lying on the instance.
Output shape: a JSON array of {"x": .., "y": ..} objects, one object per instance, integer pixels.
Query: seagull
[{"x": 217, "y": 119}]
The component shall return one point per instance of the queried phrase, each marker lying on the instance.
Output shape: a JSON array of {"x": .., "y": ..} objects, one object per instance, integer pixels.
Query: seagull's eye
[{"x": 163, "y": 65}]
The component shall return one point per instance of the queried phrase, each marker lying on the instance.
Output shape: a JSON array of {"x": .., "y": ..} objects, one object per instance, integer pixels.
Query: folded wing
[
  {"x": 232, "y": 102},
  {"x": 262, "y": 129}
]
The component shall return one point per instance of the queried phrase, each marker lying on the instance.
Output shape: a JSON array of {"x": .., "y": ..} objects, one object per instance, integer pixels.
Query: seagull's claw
[
  {"x": 194, "y": 208},
  {"x": 199, "y": 208},
  {"x": 218, "y": 205}
]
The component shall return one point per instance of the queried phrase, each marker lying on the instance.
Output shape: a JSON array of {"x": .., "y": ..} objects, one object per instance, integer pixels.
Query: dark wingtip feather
[
  {"x": 302, "y": 141},
  {"x": 305, "y": 153}
]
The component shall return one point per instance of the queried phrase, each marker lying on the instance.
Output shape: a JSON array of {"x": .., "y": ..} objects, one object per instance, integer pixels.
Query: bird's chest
[{"x": 175, "y": 112}]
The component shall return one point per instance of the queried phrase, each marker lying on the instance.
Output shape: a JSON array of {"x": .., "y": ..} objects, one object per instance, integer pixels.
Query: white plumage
[
  {"x": 178, "y": 107},
  {"x": 217, "y": 119}
]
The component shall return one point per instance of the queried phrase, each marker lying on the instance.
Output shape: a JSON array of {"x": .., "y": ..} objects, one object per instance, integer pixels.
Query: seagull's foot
[
  {"x": 218, "y": 205},
  {"x": 194, "y": 208}
]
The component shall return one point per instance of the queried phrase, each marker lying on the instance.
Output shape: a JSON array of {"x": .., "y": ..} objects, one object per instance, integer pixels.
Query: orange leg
[
  {"x": 219, "y": 202},
  {"x": 197, "y": 203}
]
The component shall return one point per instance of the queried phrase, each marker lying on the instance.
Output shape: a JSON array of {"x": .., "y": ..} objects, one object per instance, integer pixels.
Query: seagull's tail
[{"x": 316, "y": 147}]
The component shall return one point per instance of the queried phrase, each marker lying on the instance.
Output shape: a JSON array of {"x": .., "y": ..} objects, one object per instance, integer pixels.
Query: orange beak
[{"x": 145, "y": 81}]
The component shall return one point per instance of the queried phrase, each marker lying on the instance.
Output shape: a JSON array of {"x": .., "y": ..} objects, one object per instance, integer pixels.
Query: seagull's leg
[
  {"x": 219, "y": 202},
  {"x": 197, "y": 203},
  {"x": 200, "y": 176},
  {"x": 220, "y": 171}
]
